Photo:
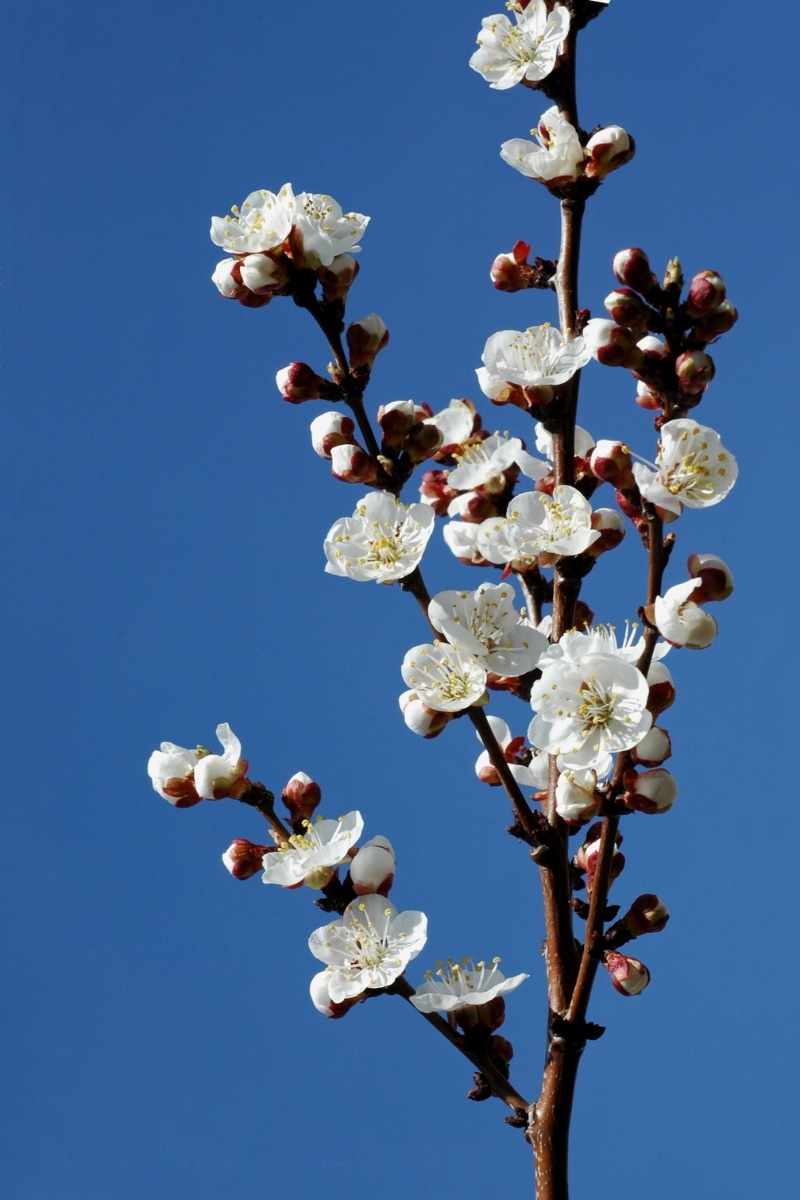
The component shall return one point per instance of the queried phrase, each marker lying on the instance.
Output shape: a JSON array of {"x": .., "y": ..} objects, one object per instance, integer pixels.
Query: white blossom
[
  {"x": 539, "y": 356},
  {"x": 693, "y": 468},
  {"x": 384, "y": 539},
  {"x": 454, "y": 986},
  {"x": 262, "y": 223},
  {"x": 576, "y": 798},
  {"x": 184, "y": 776},
  {"x": 443, "y": 677},
  {"x": 309, "y": 857},
  {"x": 485, "y": 624},
  {"x": 538, "y": 528},
  {"x": 461, "y": 538},
  {"x": 455, "y": 423},
  {"x": 680, "y": 620},
  {"x": 586, "y": 712},
  {"x": 369, "y": 946},
  {"x": 534, "y": 776},
  {"x": 509, "y": 54},
  {"x": 584, "y": 442},
  {"x": 555, "y": 157},
  {"x": 576, "y": 645},
  {"x": 323, "y": 230},
  {"x": 482, "y": 463}
]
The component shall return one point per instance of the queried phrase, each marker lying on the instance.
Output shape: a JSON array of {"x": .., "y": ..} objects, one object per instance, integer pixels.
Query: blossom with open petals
[
  {"x": 525, "y": 52},
  {"x": 538, "y": 528},
  {"x": 485, "y": 624},
  {"x": 680, "y": 620},
  {"x": 586, "y": 712},
  {"x": 321, "y": 231},
  {"x": 444, "y": 678},
  {"x": 384, "y": 539},
  {"x": 369, "y": 946},
  {"x": 693, "y": 468},
  {"x": 576, "y": 645},
  {"x": 556, "y": 157},
  {"x": 262, "y": 223},
  {"x": 537, "y": 357},
  {"x": 463, "y": 985},
  {"x": 309, "y": 857},
  {"x": 185, "y": 777}
]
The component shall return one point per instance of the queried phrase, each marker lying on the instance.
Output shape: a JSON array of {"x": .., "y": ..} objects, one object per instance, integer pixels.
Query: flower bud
[
  {"x": 647, "y": 914},
  {"x": 396, "y": 421},
  {"x": 632, "y": 268},
  {"x": 649, "y": 791},
  {"x": 612, "y": 345},
  {"x": 611, "y": 461},
  {"x": 474, "y": 507},
  {"x": 679, "y": 620},
  {"x": 695, "y": 370},
  {"x": 607, "y": 150},
  {"x": 351, "y": 464},
  {"x": 243, "y": 858},
  {"x": 587, "y": 854},
  {"x": 628, "y": 310},
  {"x": 373, "y": 867},
  {"x": 654, "y": 748},
  {"x": 365, "y": 340},
  {"x": 512, "y": 272},
  {"x": 583, "y": 616},
  {"x": 716, "y": 580},
  {"x": 436, "y": 491},
  {"x": 645, "y": 398},
  {"x": 301, "y": 795},
  {"x": 422, "y": 443},
  {"x": 337, "y": 279},
  {"x": 299, "y": 382},
  {"x": 321, "y": 997},
  {"x": 331, "y": 429},
  {"x": 576, "y": 797},
  {"x": 419, "y": 718},
  {"x": 662, "y": 688},
  {"x": 611, "y": 527},
  {"x": 706, "y": 292},
  {"x": 714, "y": 324},
  {"x": 673, "y": 276},
  {"x": 262, "y": 274},
  {"x": 628, "y": 975}
]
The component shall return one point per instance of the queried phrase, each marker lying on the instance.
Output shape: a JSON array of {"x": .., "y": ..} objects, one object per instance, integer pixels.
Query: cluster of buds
[
  {"x": 660, "y": 339},
  {"x": 513, "y": 273}
]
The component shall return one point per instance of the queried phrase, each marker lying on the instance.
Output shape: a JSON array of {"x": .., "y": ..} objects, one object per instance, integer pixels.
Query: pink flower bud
[
  {"x": 331, "y": 429},
  {"x": 301, "y": 795},
  {"x": 716, "y": 580},
  {"x": 662, "y": 689},
  {"x": 365, "y": 340},
  {"x": 299, "y": 382},
  {"x": 649, "y": 792},
  {"x": 262, "y": 274},
  {"x": 512, "y": 272},
  {"x": 337, "y": 279},
  {"x": 611, "y": 461},
  {"x": 654, "y": 748},
  {"x": 396, "y": 421},
  {"x": 373, "y": 867},
  {"x": 611, "y": 527},
  {"x": 586, "y": 856},
  {"x": 351, "y": 464},
  {"x": 714, "y": 324},
  {"x": 421, "y": 719},
  {"x": 706, "y": 292},
  {"x": 436, "y": 491},
  {"x": 627, "y": 309},
  {"x": 646, "y": 399},
  {"x": 607, "y": 150},
  {"x": 628, "y": 975},
  {"x": 695, "y": 370},
  {"x": 243, "y": 858},
  {"x": 612, "y": 345},
  {"x": 632, "y": 268},
  {"x": 422, "y": 443}
]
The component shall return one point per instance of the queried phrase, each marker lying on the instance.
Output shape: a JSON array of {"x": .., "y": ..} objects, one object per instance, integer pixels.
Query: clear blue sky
[{"x": 164, "y": 517}]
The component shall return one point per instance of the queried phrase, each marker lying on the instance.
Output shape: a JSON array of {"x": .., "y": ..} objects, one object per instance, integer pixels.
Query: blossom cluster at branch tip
[
  {"x": 522, "y": 53},
  {"x": 368, "y": 947},
  {"x": 384, "y": 540},
  {"x": 185, "y": 777}
]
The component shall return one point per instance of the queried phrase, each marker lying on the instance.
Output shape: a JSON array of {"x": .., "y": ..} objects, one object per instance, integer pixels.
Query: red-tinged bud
[
  {"x": 647, "y": 914},
  {"x": 473, "y": 507},
  {"x": 500, "y": 1047},
  {"x": 301, "y": 795},
  {"x": 422, "y": 443},
  {"x": 351, "y": 464},
  {"x": 331, "y": 429},
  {"x": 716, "y": 579},
  {"x": 583, "y": 617},
  {"x": 714, "y": 324},
  {"x": 262, "y": 274},
  {"x": 673, "y": 277},
  {"x": 436, "y": 491},
  {"x": 419, "y": 718},
  {"x": 628, "y": 309},
  {"x": 662, "y": 689},
  {"x": 646, "y": 399},
  {"x": 611, "y": 461},
  {"x": 396, "y": 421},
  {"x": 321, "y": 998},
  {"x": 512, "y": 393},
  {"x": 632, "y": 268},
  {"x": 337, "y": 279},
  {"x": 243, "y": 858},
  {"x": 649, "y": 792},
  {"x": 587, "y": 854},
  {"x": 628, "y": 975},
  {"x": 299, "y": 382},
  {"x": 611, "y": 527},
  {"x": 607, "y": 150},
  {"x": 372, "y": 868},
  {"x": 654, "y": 748},
  {"x": 181, "y": 791},
  {"x": 365, "y": 340},
  {"x": 512, "y": 272},
  {"x": 706, "y": 292},
  {"x": 630, "y": 505},
  {"x": 612, "y": 345},
  {"x": 695, "y": 370}
]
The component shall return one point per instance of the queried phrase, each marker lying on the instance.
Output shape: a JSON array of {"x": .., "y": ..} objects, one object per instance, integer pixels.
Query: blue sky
[{"x": 164, "y": 516}]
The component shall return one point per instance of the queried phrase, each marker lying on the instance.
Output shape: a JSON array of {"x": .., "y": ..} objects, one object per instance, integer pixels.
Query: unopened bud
[
  {"x": 695, "y": 370},
  {"x": 512, "y": 272},
  {"x": 654, "y": 748},
  {"x": 673, "y": 276},
  {"x": 577, "y": 799},
  {"x": 365, "y": 340},
  {"x": 262, "y": 274},
  {"x": 714, "y": 324},
  {"x": 422, "y": 442},
  {"x": 337, "y": 279},
  {"x": 612, "y": 345},
  {"x": 299, "y": 382},
  {"x": 321, "y": 997},
  {"x": 331, "y": 429},
  {"x": 243, "y": 859},
  {"x": 396, "y": 421},
  {"x": 632, "y": 268},
  {"x": 420, "y": 719},
  {"x": 628, "y": 309},
  {"x": 628, "y": 975},
  {"x": 716, "y": 579},
  {"x": 607, "y": 150},
  {"x": 706, "y": 292},
  {"x": 647, "y": 914},
  {"x": 587, "y": 855},
  {"x": 611, "y": 461},
  {"x": 436, "y": 491},
  {"x": 301, "y": 795},
  {"x": 373, "y": 867},
  {"x": 611, "y": 527},
  {"x": 662, "y": 688},
  {"x": 351, "y": 464},
  {"x": 649, "y": 791}
]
